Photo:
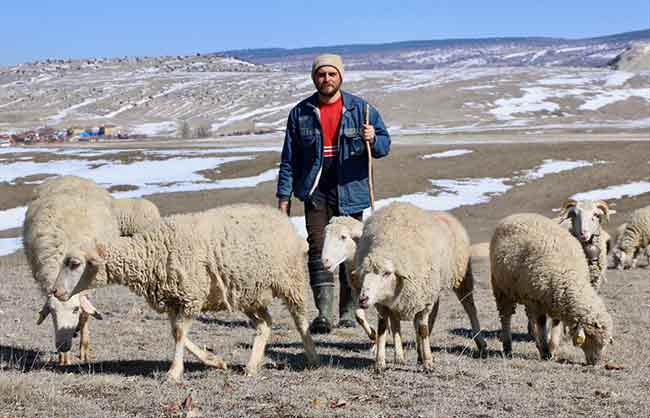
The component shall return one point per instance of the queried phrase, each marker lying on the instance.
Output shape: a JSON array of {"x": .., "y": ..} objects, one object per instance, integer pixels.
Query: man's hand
[
  {"x": 368, "y": 133},
  {"x": 284, "y": 206}
]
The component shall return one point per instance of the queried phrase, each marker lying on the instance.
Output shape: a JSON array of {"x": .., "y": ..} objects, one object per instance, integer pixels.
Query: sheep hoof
[
  {"x": 428, "y": 365},
  {"x": 216, "y": 362},
  {"x": 251, "y": 371}
]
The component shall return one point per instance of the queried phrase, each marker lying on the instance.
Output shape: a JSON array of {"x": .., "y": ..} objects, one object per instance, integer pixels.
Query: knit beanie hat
[{"x": 327, "y": 59}]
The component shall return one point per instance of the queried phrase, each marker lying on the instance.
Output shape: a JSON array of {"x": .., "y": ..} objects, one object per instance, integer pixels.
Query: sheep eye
[
  {"x": 75, "y": 310},
  {"x": 74, "y": 263},
  {"x": 344, "y": 237},
  {"x": 387, "y": 274}
]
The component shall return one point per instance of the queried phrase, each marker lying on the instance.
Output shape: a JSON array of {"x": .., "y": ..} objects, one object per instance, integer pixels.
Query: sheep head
[
  {"x": 587, "y": 217},
  {"x": 380, "y": 284},
  {"x": 597, "y": 337},
  {"x": 80, "y": 272},
  {"x": 622, "y": 259},
  {"x": 66, "y": 318},
  {"x": 340, "y": 242}
]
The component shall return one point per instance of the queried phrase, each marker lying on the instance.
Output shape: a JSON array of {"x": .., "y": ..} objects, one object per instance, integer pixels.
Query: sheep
[
  {"x": 404, "y": 258},
  {"x": 48, "y": 233},
  {"x": 55, "y": 224},
  {"x": 226, "y": 258},
  {"x": 134, "y": 215},
  {"x": 585, "y": 222},
  {"x": 634, "y": 238},
  {"x": 539, "y": 264}
]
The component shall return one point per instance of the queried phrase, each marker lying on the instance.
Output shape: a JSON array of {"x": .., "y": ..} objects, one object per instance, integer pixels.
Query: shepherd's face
[{"x": 327, "y": 80}]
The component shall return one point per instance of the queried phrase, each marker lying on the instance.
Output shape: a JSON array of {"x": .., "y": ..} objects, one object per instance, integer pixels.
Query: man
[{"x": 325, "y": 164}]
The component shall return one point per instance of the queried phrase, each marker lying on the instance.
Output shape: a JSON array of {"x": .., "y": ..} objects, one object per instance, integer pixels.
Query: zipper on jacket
[{"x": 320, "y": 167}]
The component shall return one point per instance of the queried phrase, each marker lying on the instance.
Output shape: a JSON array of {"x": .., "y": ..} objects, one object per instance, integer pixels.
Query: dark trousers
[{"x": 318, "y": 212}]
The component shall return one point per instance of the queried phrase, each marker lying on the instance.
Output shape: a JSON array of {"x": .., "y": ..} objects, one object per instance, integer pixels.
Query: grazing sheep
[
  {"x": 405, "y": 257},
  {"x": 585, "y": 222},
  {"x": 222, "y": 259},
  {"x": 635, "y": 238},
  {"x": 54, "y": 225},
  {"x": 539, "y": 264},
  {"x": 134, "y": 215},
  {"x": 67, "y": 212}
]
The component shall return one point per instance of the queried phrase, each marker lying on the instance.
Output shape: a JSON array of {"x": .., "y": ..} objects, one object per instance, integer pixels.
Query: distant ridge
[{"x": 465, "y": 52}]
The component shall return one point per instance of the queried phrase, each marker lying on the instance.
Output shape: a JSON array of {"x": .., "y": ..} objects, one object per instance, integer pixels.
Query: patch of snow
[
  {"x": 446, "y": 154},
  {"x": 10, "y": 245},
  {"x": 615, "y": 192}
]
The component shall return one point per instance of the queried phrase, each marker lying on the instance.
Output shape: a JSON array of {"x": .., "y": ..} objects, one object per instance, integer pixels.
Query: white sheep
[
  {"x": 222, "y": 259},
  {"x": 404, "y": 258},
  {"x": 537, "y": 263},
  {"x": 634, "y": 239},
  {"x": 66, "y": 212},
  {"x": 585, "y": 220},
  {"x": 54, "y": 225}
]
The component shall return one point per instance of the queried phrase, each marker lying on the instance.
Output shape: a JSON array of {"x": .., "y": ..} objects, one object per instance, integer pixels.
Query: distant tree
[
  {"x": 203, "y": 131},
  {"x": 185, "y": 131}
]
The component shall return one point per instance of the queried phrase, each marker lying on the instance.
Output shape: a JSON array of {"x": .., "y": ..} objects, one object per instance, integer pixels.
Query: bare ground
[{"x": 133, "y": 344}]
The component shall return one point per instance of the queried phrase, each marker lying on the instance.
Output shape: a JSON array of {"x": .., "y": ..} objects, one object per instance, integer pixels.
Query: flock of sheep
[{"x": 78, "y": 237}]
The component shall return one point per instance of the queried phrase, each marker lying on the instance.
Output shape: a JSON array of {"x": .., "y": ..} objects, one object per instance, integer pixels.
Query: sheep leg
[
  {"x": 263, "y": 322},
  {"x": 85, "y": 353},
  {"x": 433, "y": 315},
  {"x": 382, "y": 325},
  {"x": 506, "y": 308},
  {"x": 360, "y": 316},
  {"x": 556, "y": 333},
  {"x": 206, "y": 357},
  {"x": 302, "y": 325},
  {"x": 421, "y": 325},
  {"x": 180, "y": 327},
  {"x": 542, "y": 336},
  {"x": 396, "y": 328},
  {"x": 465, "y": 294}
]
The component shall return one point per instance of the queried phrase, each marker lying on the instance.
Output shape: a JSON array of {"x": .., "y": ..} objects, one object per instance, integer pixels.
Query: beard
[{"x": 329, "y": 89}]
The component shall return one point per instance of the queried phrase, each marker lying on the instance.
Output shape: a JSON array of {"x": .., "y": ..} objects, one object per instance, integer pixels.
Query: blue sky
[{"x": 36, "y": 29}]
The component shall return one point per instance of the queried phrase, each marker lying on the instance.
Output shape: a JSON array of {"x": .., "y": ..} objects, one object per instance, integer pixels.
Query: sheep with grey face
[
  {"x": 634, "y": 239},
  {"x": 222, "y": 259},
  {"x": 405, "y": 257},
  {"x": 537, "y": 263}
]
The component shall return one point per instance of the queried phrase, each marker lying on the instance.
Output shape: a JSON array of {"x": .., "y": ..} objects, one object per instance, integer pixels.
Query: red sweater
[{"x": 330, "y": 119}]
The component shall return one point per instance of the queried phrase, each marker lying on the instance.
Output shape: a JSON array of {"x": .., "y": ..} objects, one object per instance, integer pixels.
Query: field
[{"x": 485, "y": 177}]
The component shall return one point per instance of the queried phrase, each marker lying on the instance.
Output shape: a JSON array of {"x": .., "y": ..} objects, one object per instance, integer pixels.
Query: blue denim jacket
[{"x": 302, "y": 153}]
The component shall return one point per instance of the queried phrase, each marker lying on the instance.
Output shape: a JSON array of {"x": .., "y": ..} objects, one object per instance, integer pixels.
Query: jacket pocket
[{"x": 354, "y": 142}]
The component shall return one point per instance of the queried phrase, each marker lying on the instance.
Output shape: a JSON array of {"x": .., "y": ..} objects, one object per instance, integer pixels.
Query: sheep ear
[
  {"x": 95, "y": 257},
  {"x": 611, "y": 340},
  {"x": 579, "y": 336},
  {"x": 356, "y": 231},
  {"x": 88, "y": 307},
  {"x": 602, "y": 205},
  {"x": 568, "y": 204},
  {"x": 43, "y": 313}
]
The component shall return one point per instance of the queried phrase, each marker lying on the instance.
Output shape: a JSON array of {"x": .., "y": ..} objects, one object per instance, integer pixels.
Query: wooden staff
[{"x": 370, "y": 185}]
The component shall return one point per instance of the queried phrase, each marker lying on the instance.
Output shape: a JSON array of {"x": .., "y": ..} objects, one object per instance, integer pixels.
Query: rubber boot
[
  {"x": 347, "y": 304},
  {"x": 323, "y": 298}
]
